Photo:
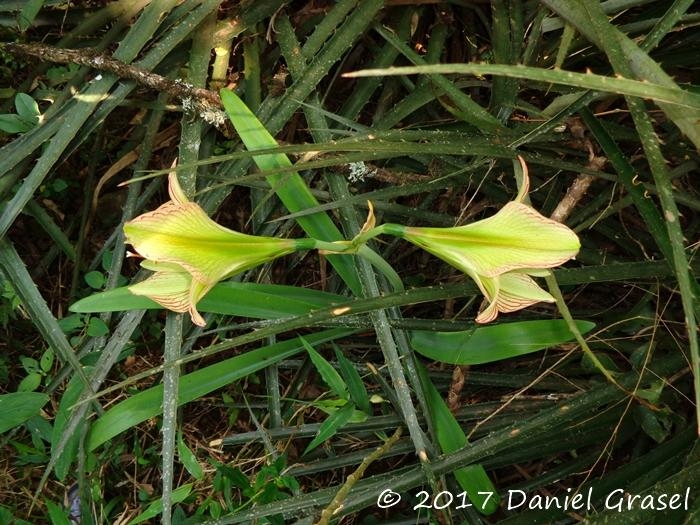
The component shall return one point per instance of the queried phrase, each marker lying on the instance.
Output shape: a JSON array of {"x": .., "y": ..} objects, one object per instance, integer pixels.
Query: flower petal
[
  {"x": 168, "y": 287},
  {"x": 516, "y": 237},
  {"x": 173, "y": 288},
  {"x": 510, "y": 292},
  {"x": 520, "y": 291},
  {"x": 490, "y": 287},
  {"x": 182, "y": 233},
  {"x": 177, "y": 195}
]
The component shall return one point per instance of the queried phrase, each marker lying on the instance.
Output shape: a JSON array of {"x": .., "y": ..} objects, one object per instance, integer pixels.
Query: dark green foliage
[{"x": 309, "y": 363}]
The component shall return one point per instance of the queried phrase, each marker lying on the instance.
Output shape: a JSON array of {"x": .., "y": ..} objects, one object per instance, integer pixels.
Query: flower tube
[
  {"x": 190, "y": 253},
  {"x": 500, "y": 253}
]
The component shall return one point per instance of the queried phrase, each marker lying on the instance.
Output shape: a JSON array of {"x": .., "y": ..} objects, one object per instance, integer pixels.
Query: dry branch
[{"x": 207, "y": 104}]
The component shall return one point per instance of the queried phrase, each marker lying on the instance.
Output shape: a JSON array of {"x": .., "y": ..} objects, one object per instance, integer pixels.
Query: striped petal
[
  {"x": 191, "y": 253},
  {"x": 510, "y": 292},
  {"x": 173, "y": 288},
  {"x": 180, "y": 232},
  {"x": 501, "y": 252},
  {"x": 516, "y": 237}
]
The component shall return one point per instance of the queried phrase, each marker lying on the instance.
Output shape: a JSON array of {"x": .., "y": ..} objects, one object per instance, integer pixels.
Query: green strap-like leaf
[
  {"x": 148, "y": 403},
  {"x": 290, "y": 188},
  {"x": 473, "y": 478},
  {"x": 487, "y": 344},
  {"x": 259, "y": 301}
]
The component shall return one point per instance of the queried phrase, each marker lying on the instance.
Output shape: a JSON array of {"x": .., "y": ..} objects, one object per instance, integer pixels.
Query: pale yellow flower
[
  {"x": 190, "y": 253},
  {"x": 500, "y": 253}
]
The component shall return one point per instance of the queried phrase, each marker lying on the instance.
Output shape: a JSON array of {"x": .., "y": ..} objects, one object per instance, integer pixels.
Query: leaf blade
[{"x": 487, "y": 344}]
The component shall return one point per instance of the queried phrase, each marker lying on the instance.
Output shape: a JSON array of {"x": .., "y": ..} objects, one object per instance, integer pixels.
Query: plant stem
[
  {"x": 566, "y": 314},
  {"x": 337, "y": 502},
  {"x": 384, "y": 267}
]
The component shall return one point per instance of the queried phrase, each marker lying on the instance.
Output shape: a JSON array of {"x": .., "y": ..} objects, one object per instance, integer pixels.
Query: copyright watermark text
[
  {"x": 616, "y": 500},
  {"x": 442, "y": 500}
]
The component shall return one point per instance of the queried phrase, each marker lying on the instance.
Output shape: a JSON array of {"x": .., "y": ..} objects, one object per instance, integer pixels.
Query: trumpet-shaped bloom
[
  {"x": 500, "y": 253},
  {"x": 190, "y": 253}
]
